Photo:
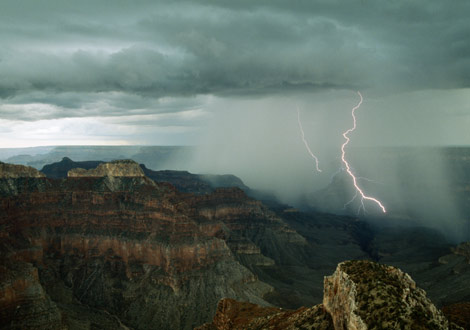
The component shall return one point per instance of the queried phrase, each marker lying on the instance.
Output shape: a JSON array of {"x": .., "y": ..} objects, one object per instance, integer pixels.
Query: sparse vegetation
[{"x": 384, "y": 293}]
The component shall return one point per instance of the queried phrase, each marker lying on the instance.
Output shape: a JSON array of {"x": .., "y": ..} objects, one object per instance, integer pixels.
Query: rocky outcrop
[
  {"x": 359, "y": 295},
  {"x": 137, "y": 252},
  {"x": 8, "y": 171},
  {"x": 367, "y": 295},
  {"x": 236, "y": 315},
  {"x": 117, "y": 168},
  {"x": 11, "y": 175},
  {"x": 24, "y": 303}
]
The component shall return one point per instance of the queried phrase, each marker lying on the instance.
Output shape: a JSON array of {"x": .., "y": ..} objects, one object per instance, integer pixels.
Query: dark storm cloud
[
  {"x": 44, "y": 105},
  {"x": 71, "y": 55}
]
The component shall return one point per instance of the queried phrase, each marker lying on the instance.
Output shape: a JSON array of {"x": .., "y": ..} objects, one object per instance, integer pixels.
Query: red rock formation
[
  {"x": 91, "y": 235},
  {"x": 236, "y": 315},
  {"x": 172, "y": 240}
]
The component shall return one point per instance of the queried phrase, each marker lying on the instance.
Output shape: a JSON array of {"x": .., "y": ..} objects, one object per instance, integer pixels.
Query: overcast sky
[{"x": 160, "y": 73}]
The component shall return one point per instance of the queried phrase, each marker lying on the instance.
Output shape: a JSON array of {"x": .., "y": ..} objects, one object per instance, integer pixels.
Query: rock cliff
[
  {"x": 236, "y": 315},
  {"x": 367, "y": 295},
  {"x": 117, "y": 168},
  {"x": 359, "y": 295},
  {"x": 125, "y": 251},
  {"x": 18, "y": 171},
  {"x": 182, "y": 180},
  {"x": 128, "y": 246},
  {"x": 24, "y": 303}
]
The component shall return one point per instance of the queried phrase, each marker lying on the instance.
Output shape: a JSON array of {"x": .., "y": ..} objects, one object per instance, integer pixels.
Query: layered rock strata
[
  {"x": 133, "y": 248},
  {"x": 115, "y": 249}
]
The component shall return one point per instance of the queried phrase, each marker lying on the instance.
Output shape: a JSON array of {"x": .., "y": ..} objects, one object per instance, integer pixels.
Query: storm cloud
[
  {"x": 73, "y": 60},
  {"x": 229, "y": 76}
]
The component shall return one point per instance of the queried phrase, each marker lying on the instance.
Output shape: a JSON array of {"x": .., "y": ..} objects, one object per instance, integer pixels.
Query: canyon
[{"x": 108, "y": 247}]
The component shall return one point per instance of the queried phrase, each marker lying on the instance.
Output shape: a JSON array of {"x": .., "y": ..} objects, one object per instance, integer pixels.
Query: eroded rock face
[
  {"x": 367, "y": 295},
  {"x": 24, "y": 303},
  {"x": 114, "y": 250},
  {"x": 359, "y": 295},
  {"x": 155, "y": 257},
  {"x": 117, "y": 168},
  {"x": 236, "y": 315},
  {"x": 18, "y": 171}
]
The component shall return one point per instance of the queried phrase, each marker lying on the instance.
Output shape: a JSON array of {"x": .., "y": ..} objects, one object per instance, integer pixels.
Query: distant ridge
[
  {"x": 184, "y": 181},
  {"x": 156, "y": 157},
  {"x": 60, "y": 169}
]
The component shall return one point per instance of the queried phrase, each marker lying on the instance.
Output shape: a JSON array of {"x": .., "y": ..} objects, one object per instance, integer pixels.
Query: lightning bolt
[
  {"x": 348, "y": 168},
  {"x": 305, "y": 141}
]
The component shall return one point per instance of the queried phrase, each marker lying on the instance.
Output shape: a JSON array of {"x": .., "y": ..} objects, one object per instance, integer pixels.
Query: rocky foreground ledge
[{"x": 359, "y": 295}]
